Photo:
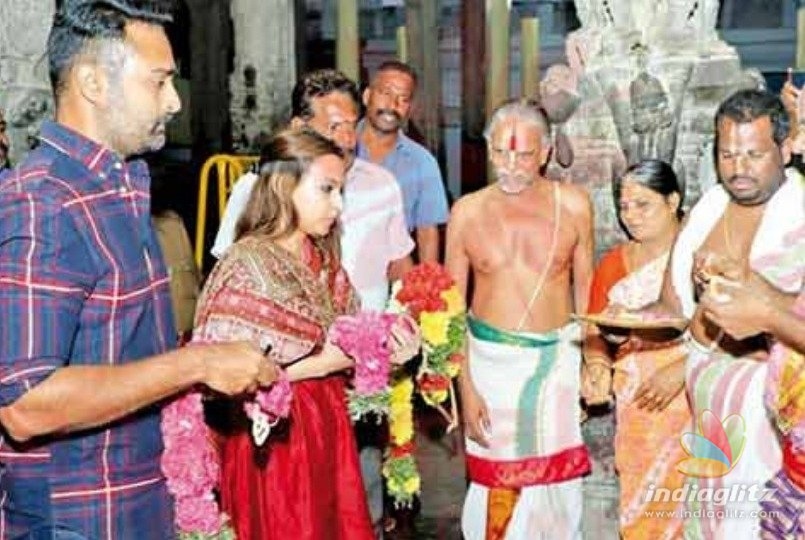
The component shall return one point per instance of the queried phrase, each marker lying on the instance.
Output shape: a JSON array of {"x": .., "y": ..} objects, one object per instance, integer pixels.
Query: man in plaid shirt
[{"x": 85, "y": 320}]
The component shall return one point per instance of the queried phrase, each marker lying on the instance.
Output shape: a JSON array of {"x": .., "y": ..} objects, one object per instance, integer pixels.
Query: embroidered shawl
[{"x": 259, "y": 292}]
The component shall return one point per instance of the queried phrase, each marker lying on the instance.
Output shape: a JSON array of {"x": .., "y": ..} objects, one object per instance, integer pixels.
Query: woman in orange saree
[
  {"x": 643, "y": 368},
  {"x": 281, "y": 286}
]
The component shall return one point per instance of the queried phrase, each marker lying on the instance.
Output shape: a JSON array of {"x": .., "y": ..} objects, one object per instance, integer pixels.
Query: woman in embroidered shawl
[
  {"x": 644, "y": 369},
  {"x": 281, "y": 286}
]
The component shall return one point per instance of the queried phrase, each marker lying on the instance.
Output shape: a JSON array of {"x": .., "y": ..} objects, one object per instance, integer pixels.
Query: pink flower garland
[
  {"x": 276, "y": 401},
  {"x": 190, "y": 462},
  {"x": 365, "y": 338}
]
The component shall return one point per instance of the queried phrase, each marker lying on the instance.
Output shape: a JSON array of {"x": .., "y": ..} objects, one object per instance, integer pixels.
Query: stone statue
[
  {"x": 706, "y": 17},
  {"x": 560, "y": 100},
  {"x": 666, "y": 24},
  {"x": 686, "y": 25},
  {"x": 25, "y": 94},
  {"x": 652, "y": 120},
  {"x": 28, "y": 110},
  {"x": 649, "y": 73}
]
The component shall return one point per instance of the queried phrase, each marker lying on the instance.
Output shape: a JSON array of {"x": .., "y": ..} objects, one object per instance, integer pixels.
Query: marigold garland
[
  {"x": 429, "y": 294},
  {"x": 399, "y": 467}
]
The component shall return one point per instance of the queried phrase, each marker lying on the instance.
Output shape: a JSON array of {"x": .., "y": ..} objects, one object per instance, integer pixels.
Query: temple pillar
[{"x": 264, "y": 69}]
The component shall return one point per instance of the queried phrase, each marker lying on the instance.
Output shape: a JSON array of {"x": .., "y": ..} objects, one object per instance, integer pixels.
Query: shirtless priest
[{"x": 527, "y": 245}]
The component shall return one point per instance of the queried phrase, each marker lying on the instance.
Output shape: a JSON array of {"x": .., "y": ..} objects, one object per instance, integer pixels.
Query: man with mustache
[
  {"x": 526, "y": 243},
  {"x": 747, "y": 309},
  {"x": 5, "y": 144},
  {"x": 85, "y": 312},
  {"x": 388, "y": 100},
  {"x": 741, "y": 230}
]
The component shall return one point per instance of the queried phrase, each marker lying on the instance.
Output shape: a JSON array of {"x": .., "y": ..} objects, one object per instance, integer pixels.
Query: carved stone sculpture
[
  {"x": 652, "y": 120},
  {"x": 649, "y": 74},
  {"x": 560, "y": 100},
  {"x": 25, "y": 95}
]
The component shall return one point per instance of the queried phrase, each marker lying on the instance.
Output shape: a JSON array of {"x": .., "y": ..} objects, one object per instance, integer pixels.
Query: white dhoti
[
  {"x": 729, "y": 386},
  {"x": 530, "y": 383}
]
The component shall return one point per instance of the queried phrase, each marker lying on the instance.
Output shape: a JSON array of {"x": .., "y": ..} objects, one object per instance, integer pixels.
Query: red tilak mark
[{"x": 513, "y": 141}]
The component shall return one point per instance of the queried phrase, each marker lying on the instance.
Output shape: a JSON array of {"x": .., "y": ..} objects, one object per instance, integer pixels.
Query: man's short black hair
[
  {"x": 748, "y": 105},
  {"x": 396, "y": 65},
  {"x": 77, "y": 23},
  {"x": 320, "y": 83}
]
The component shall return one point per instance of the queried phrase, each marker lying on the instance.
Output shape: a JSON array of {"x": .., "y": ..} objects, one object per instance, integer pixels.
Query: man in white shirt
[{"x": 375, "y": 244}]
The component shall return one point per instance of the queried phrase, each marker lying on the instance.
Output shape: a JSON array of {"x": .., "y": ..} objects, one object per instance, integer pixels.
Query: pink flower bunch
[
  {"x": 190, "y": 464},
  {"x": 365, "y": 338},
  {"x": 276, "y": 401}
]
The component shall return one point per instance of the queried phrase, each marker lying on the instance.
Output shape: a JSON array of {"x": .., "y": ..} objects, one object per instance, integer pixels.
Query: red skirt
[{"x": 305, "y": 483}]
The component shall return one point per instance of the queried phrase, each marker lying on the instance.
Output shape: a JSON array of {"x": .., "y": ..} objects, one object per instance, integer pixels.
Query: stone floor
[{"x": 441, "y": 462}]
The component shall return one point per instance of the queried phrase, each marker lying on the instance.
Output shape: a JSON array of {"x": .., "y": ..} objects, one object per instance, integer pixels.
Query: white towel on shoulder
[{"x": 779, "y": 238}]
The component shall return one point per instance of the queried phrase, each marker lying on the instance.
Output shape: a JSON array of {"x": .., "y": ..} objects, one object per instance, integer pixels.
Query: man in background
[{"x": 381, "y": 140}]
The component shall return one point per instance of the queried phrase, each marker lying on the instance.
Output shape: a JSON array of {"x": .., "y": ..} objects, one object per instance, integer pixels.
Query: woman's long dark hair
[{"x": 653, "y": 174}]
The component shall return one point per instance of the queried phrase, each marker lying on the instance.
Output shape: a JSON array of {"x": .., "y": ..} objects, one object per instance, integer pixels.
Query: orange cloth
[
  {"x": 499, "y": 509},
  {"x": 610, "y": 270},
  {"x": 647, "y": 445}
]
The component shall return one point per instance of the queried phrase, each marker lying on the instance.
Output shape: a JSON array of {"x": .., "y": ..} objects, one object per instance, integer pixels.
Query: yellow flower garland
[
  {"x": 442, "y": 333},
  {"x": 401, "y": 423},
  {"x": 399, "y": 469}
]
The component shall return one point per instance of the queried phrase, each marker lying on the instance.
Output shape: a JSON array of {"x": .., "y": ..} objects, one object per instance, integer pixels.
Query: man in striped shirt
[{"x": 85, "y": 319}]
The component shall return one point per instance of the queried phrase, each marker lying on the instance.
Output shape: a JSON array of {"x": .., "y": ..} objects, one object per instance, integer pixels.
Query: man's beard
[
  {"x": 130, "y": 143},
  {"x": 514, "y": 182}
]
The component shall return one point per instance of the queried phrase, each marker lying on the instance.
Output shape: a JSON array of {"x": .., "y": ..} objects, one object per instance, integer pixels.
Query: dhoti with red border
[{"x": 527, "y": 483}]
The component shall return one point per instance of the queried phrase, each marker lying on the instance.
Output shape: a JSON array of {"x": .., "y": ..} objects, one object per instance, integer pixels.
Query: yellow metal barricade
[{"x": 228, "y": 168}]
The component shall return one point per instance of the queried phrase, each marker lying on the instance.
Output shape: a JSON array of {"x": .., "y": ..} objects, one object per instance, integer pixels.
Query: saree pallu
[
  {"x": 304, "y": 483},
  {"x": 729, "y": 386},
  {"x": 647, "y": 446},
  {"x": 527, "y": 484}
]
